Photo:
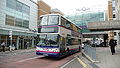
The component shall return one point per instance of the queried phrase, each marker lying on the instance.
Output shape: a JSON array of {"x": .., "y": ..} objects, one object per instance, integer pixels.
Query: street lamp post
[{"x": 10, "y": 35}]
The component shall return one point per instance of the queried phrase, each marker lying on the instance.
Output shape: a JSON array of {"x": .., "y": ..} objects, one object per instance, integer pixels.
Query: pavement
[
  {"x": 104, "y": 56},
  {"x": 16, "y": 52},
  {"x": 107, "y": 60}
]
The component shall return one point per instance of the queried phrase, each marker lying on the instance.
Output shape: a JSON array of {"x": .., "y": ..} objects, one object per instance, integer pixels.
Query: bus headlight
[
  {"x": 55, "y": 50},
  {"x": 38, "y": 48}
]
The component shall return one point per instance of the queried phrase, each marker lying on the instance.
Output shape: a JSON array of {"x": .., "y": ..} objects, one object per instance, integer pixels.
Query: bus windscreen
[{"x": 48, "y": 40}]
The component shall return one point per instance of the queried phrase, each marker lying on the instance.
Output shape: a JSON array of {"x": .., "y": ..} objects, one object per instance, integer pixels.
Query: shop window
[
  {"x": 9, "y": 20},
  {"x": 26, "y": 24},
  {"x": 19, "y": 6},
  {"x": 26, "y": 9},
  {"x": 18, "y": 22},
  {"x": 11, "y": 4}
]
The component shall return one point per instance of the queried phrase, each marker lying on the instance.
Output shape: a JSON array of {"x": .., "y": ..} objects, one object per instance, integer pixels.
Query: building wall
[
  {"x": 43, "y": 8},
  {"x": 56, "y": 11},
  {"x": 31, "y": 17},
  {"x": 114, "y": 13},
  {"x": 117, "y": 6},
  {"x": 110, "y": 12},
  {"x": 18, "y": 16},
  {"x": 84, "y": 19},
  {"x": 117, "y": 12},
  {"x": 113, "y": 9},
  {"x": 2, "y": 12}
]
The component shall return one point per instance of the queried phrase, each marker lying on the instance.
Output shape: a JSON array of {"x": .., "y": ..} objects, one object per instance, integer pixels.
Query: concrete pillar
[
  {"x": 17, "y": 44},
  {"x": 33, "y": 42},
  {"x": 6, "y": 39},
  {"x": 110, "y": 35},
  {"x": 23, "y": 43},
  {"x": 0, "y": 39},
  {"x": 119, "y": 38}
]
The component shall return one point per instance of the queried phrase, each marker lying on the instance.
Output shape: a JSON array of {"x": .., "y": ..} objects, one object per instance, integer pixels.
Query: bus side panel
[{"x": 48, "y": 51}]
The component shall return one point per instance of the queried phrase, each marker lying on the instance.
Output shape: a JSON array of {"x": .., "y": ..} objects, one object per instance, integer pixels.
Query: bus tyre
[
  {"x": 68, "y": 51},
  {"x": 79, "y": 49}
]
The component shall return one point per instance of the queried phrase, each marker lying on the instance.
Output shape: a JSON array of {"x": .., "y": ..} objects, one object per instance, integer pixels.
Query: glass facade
[
  {"x": 17, "y": 14},
  {"x": 82, "y": 19},
  {"x": 10, "y": 20}
]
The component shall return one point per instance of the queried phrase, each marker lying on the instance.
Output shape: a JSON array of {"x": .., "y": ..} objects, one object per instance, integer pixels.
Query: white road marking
[
  {"x": 67, "y": 63},
  {"x": 29, "y": 59}
]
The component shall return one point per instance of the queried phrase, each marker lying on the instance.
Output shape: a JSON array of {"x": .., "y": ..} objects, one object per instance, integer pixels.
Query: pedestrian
[
  {"x": 27, "y": 44},
  {"x": 112, "y": 44},
  {"x": 12, "y": 47},
  {"x": 3, "y": 46}
]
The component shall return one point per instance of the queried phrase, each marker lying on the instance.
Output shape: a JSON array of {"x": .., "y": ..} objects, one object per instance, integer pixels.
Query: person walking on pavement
[
  {"x": 27, "y": 44},
  {"x": 12, "y": 47},
  {"x": 112, "y": 44},
  {"x": 3, "y": 46}
]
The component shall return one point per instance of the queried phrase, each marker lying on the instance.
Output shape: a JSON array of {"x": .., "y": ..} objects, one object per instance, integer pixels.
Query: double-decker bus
[{"x": 58, "y": 36}]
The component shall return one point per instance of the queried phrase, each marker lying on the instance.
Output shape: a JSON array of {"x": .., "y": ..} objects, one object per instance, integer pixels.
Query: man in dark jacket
[
  {"x": 112, "y": 44},
  {"x": 3, "y": 46}
]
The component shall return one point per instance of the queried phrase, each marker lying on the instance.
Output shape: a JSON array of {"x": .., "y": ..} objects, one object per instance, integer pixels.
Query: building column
[
  {"x": 23, "y": 44},
  {"x": 118, "y": 38},
  {"x": 6, "y": 41},
  {"x": 0, "y": 39},
  {"x": 33, "y": 42},
  {"x": 17, "y": 45}
]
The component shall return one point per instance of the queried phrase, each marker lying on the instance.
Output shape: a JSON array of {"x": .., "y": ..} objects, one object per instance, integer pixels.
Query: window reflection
[
  {"x": 49, "y": 20},
  {"x": 53, "y": 20},
  {"x": 48, "y": 30},
  {"x": 48, "y": 40},
  {"x": 44, "y": 20}
]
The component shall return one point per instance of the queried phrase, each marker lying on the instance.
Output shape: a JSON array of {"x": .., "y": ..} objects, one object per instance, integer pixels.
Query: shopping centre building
[{"x": 18, "y": 22}]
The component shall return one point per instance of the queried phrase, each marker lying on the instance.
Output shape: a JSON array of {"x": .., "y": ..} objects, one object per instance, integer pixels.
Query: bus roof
[{"x": 63, "y": 17}]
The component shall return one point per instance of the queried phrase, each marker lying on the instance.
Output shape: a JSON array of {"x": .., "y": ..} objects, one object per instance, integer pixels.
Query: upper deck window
[
  {"x": 49, "y": 20},
  {"x": 44, "y": 20},
  {"x": 53, "y": 20}
]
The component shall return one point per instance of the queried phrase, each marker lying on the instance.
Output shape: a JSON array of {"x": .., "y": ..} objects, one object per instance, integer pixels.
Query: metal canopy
[{"x": 6, "y": 32}]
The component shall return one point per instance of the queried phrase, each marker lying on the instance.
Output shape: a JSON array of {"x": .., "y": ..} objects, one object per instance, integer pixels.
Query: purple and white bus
[{"x": 58, "y": 36}]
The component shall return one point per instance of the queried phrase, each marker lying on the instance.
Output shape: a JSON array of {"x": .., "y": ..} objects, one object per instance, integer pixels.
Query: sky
[{"x": 76, "y": 6}]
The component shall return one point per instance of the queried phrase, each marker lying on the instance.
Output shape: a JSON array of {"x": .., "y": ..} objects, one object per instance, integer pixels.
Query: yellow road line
[{"x": 81, "y": 62}]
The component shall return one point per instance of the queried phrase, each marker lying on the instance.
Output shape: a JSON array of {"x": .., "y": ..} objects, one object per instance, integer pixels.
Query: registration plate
[{"x": 45, "y": 54}]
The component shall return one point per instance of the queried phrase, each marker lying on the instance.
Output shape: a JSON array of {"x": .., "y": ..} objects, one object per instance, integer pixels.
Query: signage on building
[{"x": 10, "y": 33}]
